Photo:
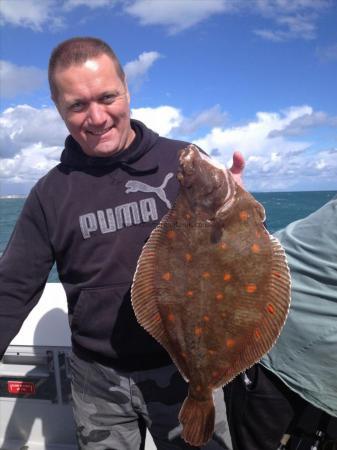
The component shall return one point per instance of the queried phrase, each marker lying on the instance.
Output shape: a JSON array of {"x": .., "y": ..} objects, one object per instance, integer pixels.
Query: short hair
[{"x": 77, "y": 50}]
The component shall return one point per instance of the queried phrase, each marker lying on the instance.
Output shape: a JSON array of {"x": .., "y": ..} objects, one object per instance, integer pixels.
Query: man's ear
[
  {"x": 53, "y": 98},
  {"x": 128, "y": 96},
  {"x": 127, "y": 93}
]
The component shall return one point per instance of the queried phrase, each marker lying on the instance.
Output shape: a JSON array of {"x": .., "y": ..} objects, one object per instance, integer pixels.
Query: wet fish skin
[{"x": 211, "y": 285}]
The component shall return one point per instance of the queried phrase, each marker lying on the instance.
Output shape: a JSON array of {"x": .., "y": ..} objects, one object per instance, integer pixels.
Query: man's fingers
[
  {"x": 237, "y": 167},
  {"x": 238, "y": 163}
]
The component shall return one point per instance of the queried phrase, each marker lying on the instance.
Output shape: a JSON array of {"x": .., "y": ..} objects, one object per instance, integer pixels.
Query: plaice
[{"x": 212, "y": 286}]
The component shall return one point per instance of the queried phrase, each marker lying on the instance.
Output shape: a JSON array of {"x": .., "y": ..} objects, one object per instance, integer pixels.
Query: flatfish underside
[{"x": 212, "y": 286}]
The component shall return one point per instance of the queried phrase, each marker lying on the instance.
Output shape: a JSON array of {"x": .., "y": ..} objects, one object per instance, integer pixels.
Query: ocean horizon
[{"x": 281, "y": 209}]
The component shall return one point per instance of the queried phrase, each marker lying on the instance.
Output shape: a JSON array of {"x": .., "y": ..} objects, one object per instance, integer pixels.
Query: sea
[{"x": 281, "y": 209}]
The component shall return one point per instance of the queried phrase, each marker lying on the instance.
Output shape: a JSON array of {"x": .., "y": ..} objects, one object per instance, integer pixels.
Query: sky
[{"x": 258, "y": 76}]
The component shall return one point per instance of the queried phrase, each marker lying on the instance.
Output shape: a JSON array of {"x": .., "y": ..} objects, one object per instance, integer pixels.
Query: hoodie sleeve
[{"x": 24, "y": 269}]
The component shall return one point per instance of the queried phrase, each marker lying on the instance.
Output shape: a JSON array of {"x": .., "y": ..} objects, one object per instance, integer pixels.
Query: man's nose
[{"x": 96, "y": 114}]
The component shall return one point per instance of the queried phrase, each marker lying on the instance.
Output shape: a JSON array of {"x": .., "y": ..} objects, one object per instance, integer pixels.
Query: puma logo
[{"x": 139, "y": 186}]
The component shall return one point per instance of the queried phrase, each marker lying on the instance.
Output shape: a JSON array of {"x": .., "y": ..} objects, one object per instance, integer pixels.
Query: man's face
[{"x": 95, "y": 106}]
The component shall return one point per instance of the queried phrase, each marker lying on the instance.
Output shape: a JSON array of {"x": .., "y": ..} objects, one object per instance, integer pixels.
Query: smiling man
[
  {"x": 94, "y": 102},
  {"x": 92, "y": 214}
]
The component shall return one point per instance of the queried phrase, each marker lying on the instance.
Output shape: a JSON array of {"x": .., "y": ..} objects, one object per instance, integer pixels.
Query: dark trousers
[{"x": 261, "y": 409}]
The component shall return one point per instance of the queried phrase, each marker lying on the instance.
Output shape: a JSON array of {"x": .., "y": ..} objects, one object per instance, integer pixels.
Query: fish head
[{"x": 205, "y": 183}]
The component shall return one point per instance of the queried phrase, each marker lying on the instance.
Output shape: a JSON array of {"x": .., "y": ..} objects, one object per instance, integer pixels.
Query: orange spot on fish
[
  {"x": 157, "y": 317},
  {"x": 276, "y": 274},
  {"x": 188, "y": 257},
  {"x": 167, "y": 276},
  {"x": 188, "y": 216},
  {"x": 257, "y": 333},
  {"x": 206, "y": 275},
  {"x": 271, "y": 308},
  {"x": 251, "y": 288},
  {"x": 198, "y": 331},
  {"x": 255, "y": 248},
  {"x": 171, "y": 234},
  {"x": 227, "y": 276},
  {"x": 206, "y": 318},
  {"x": 219, "y": 296},
  {"x": 244, "y": 216},
  {"x": 183, "y": 354},
  {"x": 230, "y": 343},
  {"x": 215, "y": 374},
  {"x": 257, "y": 234},
  {"x": 171, "y": 317},
  {"x": 223, "y": 246},
  {"x": 189, "y": 294},
  {"x": 211, "y": 352}
]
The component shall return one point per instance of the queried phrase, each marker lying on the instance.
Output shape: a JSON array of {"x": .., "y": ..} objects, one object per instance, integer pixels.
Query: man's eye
[
  {"x": 107, "y": 99},
  {"x": 78, "y": 106}
]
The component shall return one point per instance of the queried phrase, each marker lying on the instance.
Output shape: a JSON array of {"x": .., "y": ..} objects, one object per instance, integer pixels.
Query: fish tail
[{"x": 197, "y": 418}]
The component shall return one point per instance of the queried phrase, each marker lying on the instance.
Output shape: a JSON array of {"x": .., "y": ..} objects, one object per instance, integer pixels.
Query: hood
[{"x": 127, "y": 159}]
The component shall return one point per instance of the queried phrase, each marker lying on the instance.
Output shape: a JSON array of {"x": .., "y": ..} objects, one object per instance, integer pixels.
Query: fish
[{"x": 212, "y": 286}]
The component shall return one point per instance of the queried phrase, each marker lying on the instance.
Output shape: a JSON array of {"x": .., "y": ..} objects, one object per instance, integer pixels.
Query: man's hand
[{"x": 237, "y": 167}]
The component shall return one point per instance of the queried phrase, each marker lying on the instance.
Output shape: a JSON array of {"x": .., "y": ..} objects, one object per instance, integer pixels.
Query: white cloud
[
  {"x": 305, "y": 122},
  {"x": 285, "y": 19},
  {"x": 328, "y": 53},
  {"x": 211, "y": 117},
  {"x": 289, "y": 19},
  {"x": 170, "y": 122},
  {"x": 30, "y": 164},
  {"x": 16, "y": 80},
  {"x": 326, "y": 162},
  {"x": 24, "y": 126},
  {"x": 293, "y": 19},
  {"x": 30, "y": 13},
  {"x": 162, "y": 119},
  {"x": 252, "y": 138},
  {"x": 274, "y": 7},
  {"x": 71, "y": 4},
  {"x": 275, "y": 160},
  {"x": 136, "y": 70},
  {"x": 31, "y": 141},
  {"x": 176, "y": 15},
  {"x": 294, "y": 27}
]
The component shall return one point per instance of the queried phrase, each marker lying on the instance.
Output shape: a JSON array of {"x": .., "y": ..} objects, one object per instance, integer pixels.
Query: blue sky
[{"x": 257, "y": 76}]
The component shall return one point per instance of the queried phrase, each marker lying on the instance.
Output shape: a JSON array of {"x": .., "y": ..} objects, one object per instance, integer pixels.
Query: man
[
  {"x": 294, "y": 389},
  {"x": 92, "y": 215}
]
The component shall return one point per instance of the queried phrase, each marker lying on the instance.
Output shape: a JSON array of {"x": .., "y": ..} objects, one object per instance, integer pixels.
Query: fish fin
[
  {"x": 280, "y": 281},
  {"x": 260, "y": 211},
  {"x": 144, "y": 294},
  {"x": 277, "y": 307},
  {"x": 197, "y": 418}
]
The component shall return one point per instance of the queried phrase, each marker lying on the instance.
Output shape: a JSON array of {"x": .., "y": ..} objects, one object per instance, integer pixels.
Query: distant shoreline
[
  {"x": 2, "y": 197},
  {"x": 18, "y": 196}
]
